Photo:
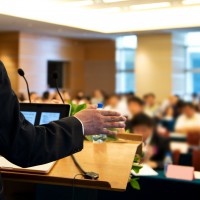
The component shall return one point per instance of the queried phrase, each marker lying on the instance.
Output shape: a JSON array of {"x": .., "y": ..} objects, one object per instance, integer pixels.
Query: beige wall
[
  {"x": 159, "y": 62},
  {"x": 154, "y": 65},
  {"x": 99, "y": 65},
  {"x": 9, "y": 44},
  {"x": 36, "y": 50},
  {"x": 92, "y": 62}
]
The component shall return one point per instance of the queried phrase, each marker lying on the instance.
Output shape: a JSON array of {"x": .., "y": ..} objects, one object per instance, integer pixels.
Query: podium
[{"x": 111, "y": 160}]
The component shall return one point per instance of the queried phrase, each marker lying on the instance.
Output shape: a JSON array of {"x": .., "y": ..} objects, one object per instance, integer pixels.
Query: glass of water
[{"x": 99, "y": 138}]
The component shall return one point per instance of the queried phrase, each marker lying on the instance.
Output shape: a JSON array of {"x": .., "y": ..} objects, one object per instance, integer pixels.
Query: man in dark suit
[
  {"x": 155, "y": 146},
  {"x": 26, "y": 145}
]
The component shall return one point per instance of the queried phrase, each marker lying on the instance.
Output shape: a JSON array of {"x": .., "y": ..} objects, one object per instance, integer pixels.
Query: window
[
  {"x": 193, "y": 70},
  {"x": 125, "y": 57},
  {"x": 193, "y": 63}
]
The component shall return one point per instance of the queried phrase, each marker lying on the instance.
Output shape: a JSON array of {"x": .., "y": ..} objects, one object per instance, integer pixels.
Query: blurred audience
[
  {"x": 189, "y": 120},
  {"x": 34, "y": 97},
  {"x": 66, "y": 95},
  {"x": 135, "y": 106},
  {"x": 178, "y": 105},
  {"x": 168, "y": 120},
  {"x": 21, "y": 97},
  {"x": 151, "y": 106},
  {"x": 173, "y": 115},
  {"x": 156, "y": 122},
  {"x": 123, "y": 106},
  {"x": 155, "y": 147},
  {"x": 98, "y": 97},
  {"x": 113, "y": 103},
  {"x": 46, "y": 97}
]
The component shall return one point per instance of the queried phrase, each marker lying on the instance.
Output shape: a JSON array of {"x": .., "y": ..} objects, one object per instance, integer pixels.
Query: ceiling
[
  {"x": 10, "y": 23},
  {"x": 98, "y": 18}
]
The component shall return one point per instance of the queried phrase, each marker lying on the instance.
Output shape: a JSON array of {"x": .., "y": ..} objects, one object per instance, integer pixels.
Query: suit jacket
[{"x": 26, "y": 145}]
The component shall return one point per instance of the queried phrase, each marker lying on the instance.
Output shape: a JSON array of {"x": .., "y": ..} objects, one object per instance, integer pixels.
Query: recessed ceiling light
[
  {"x": 189, "y": 2},
  {"x": 80, "y": 3},
  {"x": 150, "y": 6}
]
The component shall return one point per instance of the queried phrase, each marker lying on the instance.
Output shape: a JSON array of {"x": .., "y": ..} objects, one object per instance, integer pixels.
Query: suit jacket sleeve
[{"x": 27, "y": 145}]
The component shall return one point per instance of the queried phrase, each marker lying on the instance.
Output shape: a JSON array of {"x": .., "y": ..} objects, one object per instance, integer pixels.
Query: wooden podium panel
[{"x": 112, "y": 161}]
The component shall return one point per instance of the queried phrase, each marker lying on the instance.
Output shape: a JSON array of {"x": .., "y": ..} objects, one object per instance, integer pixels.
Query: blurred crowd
[
  {"x": 171, "y": 115},
  {"x": 154, "y": 120}
]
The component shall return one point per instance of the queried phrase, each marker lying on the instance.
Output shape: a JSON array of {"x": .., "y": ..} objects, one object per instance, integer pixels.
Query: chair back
[
  {"x": 176, "y": 157},
  {"x": 196, "y": 159},
  {"x": 193, "y": 138}
]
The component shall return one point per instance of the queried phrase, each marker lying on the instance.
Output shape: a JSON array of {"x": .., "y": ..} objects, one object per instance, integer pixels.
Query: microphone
[
  {"x": 87, "y": 175},
  {"x": 22, "y": 74},
  {"x": 55, "y": 77}
]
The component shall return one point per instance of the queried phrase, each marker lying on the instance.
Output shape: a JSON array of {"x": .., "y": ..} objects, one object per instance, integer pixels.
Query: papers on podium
[{"x": 146, "y": 170}]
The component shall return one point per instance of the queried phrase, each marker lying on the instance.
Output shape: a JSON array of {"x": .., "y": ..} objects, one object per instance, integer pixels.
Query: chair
[
  {"x": 196, "y": 159},
  {"x": 193, "y": 138},
  {"x": 176, "y": 157}
]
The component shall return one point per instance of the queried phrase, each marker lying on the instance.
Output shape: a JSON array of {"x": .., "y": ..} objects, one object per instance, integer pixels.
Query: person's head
[
  {"x": 173, "y": 100},
  {"x": 188, "y": 109},
  {"x": 169, "y": 112},
  {"x": 66, "y": 95},
  {"x": 143, "y": 124},
  {"x": 56, "y": 97},
  {"x": 21, "y": 97},
  {"x": 34, "y": 96},
  {"x": 80, "y": 94},
  {"x": 98, "y": 94},
  {"x": 179, "y": 107},
  {"x": 129, "y": 95},
  {"x": 149, "y": 99},
  {"x": 85, "y": 100},
  {"x": 46, "y": 96},
  {"x": 135, "y": 105},
  {"x": 113, "y": 100}
]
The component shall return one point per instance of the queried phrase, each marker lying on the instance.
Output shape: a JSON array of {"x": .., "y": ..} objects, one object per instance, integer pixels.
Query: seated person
[
  {"x": 168, "y": 120},
  {"x": 112, "y": 103},
  {"x": 98, "y": 97},
  {"x": 155, "y": 147},
  {"x": 135, "y": 106},
  {"x": 151, "y": 107},
  {"x": 189, "y": 121}
]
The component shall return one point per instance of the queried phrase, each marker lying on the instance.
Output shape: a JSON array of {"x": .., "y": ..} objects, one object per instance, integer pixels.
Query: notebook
[{"x": 40, "y": 169}]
